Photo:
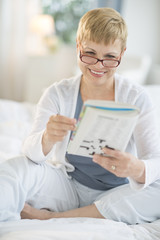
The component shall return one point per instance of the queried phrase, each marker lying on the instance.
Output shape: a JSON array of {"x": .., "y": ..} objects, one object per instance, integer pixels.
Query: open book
[{"x": 103, "y": 123}]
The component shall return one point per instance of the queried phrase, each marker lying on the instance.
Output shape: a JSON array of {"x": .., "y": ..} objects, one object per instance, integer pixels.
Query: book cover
[{"x": 103, "y": 124}]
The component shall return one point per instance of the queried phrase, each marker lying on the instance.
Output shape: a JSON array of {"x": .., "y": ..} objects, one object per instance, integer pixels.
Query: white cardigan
[{"x": 61, "y": 97}]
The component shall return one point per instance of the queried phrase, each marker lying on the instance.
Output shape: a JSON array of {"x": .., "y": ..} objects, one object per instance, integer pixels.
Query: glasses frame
[{"x": 100, "y": 60}]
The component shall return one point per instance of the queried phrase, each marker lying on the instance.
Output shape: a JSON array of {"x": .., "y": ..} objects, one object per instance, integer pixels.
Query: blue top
[{"x": 89, "y": 173}]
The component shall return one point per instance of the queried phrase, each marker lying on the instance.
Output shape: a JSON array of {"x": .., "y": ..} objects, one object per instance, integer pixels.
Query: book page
[
  {"x": 101, "y": 128},
  {"x": 111, "y": 135}
]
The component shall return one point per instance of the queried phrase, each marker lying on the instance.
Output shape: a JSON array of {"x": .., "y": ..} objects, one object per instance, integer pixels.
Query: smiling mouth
[{"x": 98, "y": 73}]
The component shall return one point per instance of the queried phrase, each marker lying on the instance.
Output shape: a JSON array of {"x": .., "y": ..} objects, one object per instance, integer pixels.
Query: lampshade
[{"x": 42, "y": 24}]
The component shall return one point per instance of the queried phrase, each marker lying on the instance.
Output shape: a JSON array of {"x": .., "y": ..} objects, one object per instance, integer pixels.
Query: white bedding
[
  {"x": 15, "y": 123},
  {"x": 78, "y": 229}
]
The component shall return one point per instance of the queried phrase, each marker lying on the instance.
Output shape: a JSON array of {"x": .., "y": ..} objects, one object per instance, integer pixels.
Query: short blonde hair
[{"x": 102, "y": 25}]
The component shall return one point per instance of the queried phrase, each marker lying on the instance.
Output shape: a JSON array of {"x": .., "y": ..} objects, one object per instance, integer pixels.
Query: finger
[
  {"x": 64, "y": 119},
  {"x": 103, "y": 161},
  {"x": 58, "y": 138},
  {"x": 59, "y": 122},
  {"x": 59, "y": 133},
  {"x": 60, "y": 126},
  {"x": 52, "y": 135},
  {"x": 112, "y": 152},
  {"x": 110, "y": 164}
]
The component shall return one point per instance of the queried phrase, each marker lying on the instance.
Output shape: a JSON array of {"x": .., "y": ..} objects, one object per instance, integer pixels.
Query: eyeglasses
[{"x": 111, "y": 63}]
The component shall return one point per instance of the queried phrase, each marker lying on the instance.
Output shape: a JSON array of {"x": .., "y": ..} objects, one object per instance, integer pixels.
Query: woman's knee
[{"x": 124, "y": 204}]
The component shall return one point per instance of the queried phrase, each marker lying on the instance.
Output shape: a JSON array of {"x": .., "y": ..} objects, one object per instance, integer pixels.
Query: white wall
[
  {"x": 42, "y": 71},
  {"x": 143, "y": 19},
  {"x": 12, "y": 48}
]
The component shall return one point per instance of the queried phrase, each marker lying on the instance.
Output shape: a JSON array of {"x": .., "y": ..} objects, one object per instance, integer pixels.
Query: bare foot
[{"x": 29, "y": 212}]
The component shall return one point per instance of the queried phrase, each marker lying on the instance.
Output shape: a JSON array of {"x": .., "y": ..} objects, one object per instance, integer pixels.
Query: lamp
[{"x": 42, "y": 26}]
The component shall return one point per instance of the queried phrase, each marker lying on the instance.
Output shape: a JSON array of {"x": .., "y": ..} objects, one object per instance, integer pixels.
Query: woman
[{"x": 124, "y": 186}]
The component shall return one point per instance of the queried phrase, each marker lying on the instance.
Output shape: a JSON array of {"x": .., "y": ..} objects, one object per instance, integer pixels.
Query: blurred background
[{"x": 38, "y": 43}]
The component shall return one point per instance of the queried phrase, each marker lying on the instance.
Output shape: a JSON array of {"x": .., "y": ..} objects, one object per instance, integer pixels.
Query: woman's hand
[
  {"x": 57, "y": 128},
  {"x": 121, "y": 164},
  {"x": 29, "y": 212}
]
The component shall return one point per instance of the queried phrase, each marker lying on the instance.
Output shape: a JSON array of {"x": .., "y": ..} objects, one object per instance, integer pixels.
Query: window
[{"x": 66, "y": 14}]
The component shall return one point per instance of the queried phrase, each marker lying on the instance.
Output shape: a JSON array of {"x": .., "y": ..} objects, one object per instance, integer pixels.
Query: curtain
[
  {"x": 14, "y": 17},
  {"x": 12, "y": 48}
]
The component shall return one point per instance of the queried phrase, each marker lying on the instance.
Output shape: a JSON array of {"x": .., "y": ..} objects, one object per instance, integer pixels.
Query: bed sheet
[
  {"x": 15, "y": 123},
  {"x": 79, "y": 229}
]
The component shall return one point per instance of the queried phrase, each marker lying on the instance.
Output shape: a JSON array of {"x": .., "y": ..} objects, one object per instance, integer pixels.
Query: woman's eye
[
  {"x": 110, "y": 56},
  {"x": 90, "y": 53}
]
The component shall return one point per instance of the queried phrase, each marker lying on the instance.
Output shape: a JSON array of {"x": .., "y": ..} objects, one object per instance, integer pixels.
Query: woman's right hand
[{"x": 57, "y": 128}]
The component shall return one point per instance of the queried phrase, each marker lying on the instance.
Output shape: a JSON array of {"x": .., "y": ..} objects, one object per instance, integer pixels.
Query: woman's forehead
[{"x": 112, "y": 46}]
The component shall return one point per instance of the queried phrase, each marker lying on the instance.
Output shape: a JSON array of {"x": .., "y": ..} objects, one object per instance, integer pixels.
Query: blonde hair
[{"x": 102, "y": 25}]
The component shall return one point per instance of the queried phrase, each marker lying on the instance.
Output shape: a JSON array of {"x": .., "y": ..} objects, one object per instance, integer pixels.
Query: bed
[{"x": 15, "y": 123}]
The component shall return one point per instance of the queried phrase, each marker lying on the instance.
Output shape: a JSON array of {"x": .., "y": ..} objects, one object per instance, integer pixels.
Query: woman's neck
[{"x": 99, "y": 92}]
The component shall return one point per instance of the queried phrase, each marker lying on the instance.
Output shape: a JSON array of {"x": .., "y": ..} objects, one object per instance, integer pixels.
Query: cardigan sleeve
[
  {"x": 32, "y": 146},
  {"x": 59, "y": 98},
  {"x": 146, "y": 136}
]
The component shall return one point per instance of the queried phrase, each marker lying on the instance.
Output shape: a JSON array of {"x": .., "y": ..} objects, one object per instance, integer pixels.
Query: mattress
[{"x": 15, "y": 123}]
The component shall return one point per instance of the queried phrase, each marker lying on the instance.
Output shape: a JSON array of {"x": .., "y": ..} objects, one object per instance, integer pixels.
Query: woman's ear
[
  {"x": 123, "y": 52},
  {"x": 77, "y": 46},
  {"x": 77, "y": 43}
]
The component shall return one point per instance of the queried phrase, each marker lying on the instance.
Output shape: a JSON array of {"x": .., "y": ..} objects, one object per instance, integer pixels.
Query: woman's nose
[{"x": 99, "y": 64}]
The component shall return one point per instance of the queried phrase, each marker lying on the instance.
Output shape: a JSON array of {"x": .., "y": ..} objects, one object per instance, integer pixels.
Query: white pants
[{"x": 43, "y": 186}]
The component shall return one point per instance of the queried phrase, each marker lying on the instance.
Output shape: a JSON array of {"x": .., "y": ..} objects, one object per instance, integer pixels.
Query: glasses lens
[
  {"x": 89, "y": 60},
  {"x": 110, "y": 63}
]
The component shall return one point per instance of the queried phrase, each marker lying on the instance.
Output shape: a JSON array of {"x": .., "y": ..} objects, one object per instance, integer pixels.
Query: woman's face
[{"x": 97, "y": 73}]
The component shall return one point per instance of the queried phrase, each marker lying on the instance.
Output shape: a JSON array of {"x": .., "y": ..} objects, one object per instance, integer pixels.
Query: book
[{"x": 103, "y": 124}]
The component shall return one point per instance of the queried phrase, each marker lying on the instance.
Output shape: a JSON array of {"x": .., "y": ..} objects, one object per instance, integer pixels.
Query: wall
[
  {"x": 42, "y": 71},
  {"x": 12, "y": 48},
  {"x": 143, "y": 20}
]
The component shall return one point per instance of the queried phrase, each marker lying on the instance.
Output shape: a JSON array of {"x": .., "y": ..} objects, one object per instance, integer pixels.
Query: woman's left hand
[{"x": 122, "y": 164}]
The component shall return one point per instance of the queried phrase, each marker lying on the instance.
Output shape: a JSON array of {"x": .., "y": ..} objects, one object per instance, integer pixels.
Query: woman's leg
[
  {"x": 86, "y": 197},
  {"x": 32, "y": 213},
  {"x": 57, "y": 193},
  {"x": 39, "y": 184},
  {"x": 121, "y": 204},
  {"x": 14, "y": 182},
  {"x": 124, "y": 204}
]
